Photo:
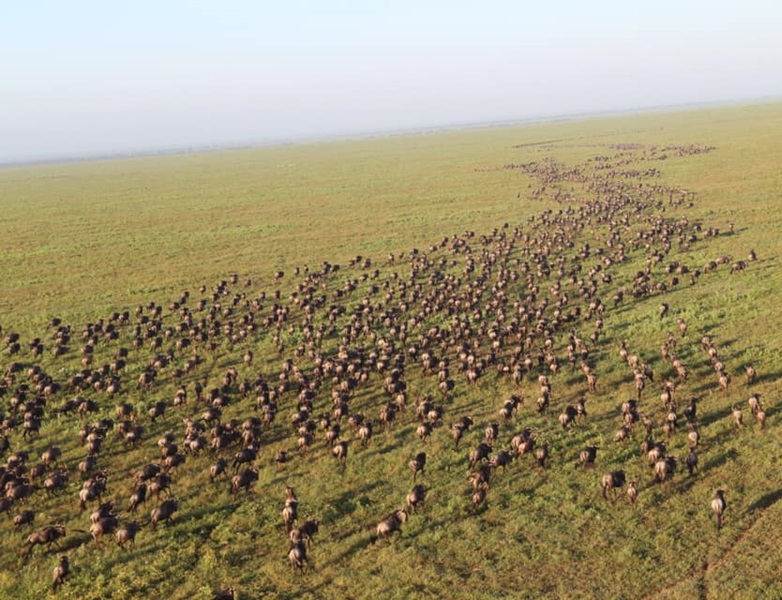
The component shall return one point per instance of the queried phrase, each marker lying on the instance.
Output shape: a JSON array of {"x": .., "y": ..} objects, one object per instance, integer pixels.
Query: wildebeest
[
  {"x": 523, "y": 443},
  {"x": 663, "y": 310},
  {"x": 718, "y": 506},
  {"x": 480, "y": 477},
  {"x": 416, "y": 497},
  {"x": 51, "y": 455},
  {"x": 297, "y": 555},
  {"x": 103, "y": 525},
  {"x": 567, "y": 416},
  {"x": 48, "y": 535},
  {"x": 26, "y": 517},
  {"x": 365, "y": 433},
  {"x": 424, "y": 430},
  {"x": 217, "y": 469},
  {"x": 510, "y": 407},
  {"x": 622, "y": 434},
  {"x": 244, "y": 456},
  {"x": 164, "y": 512},
  {"x": 457, "y": 431},
  {"x": 57, "y": 480},
  {"x": 491, "y": 433},
  {"x": 691, "y": 461},
  {"x": 693, "y": 437},
  {"x": 665, "y": 468},
  {"x": 391, "y": 523},
  {"x": 340, "y": 452},
  {"x": 754, "y": 403},
  {"x": 502, "y": 459},
  {"x": 632, "y": 492},
  {"x": 245, "y": 479},
  {"x": 690, "y": 411},
  {"x": 478, "y": 497},
  {"x": 541, "y": 455},
  {"x": 417, "y": 464},
  {"x": 760, "y": 417},
  {"x": 60, "y": 572},
  {"x": 612, "y": 481},
  {"x": 480, "y": 453},
  {"x": 290, "y": 514},
  {"x": 92, "y": 489},
  {"x": 305, "y": 532},
  {"x": 738, "y": 417},
  {"x": 226, "y": 594},
  {"x": 588, "y": 456},
  {"x": 127, "y": 534}
]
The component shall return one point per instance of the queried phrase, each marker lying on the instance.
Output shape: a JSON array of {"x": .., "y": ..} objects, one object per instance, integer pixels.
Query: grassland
[{"x": 83, "y": 240}]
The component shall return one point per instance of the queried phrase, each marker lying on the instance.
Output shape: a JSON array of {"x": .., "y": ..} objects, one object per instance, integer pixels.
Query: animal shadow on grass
[
  {"x": 772, "y": 410},
  {"x": 401, "y": 441},
  {"x": 364, "y": 542},
  {"x": 345, "y": 503},
  {"x": 226, "y": 507},
  {"x": 766, "y": 500},
  {"x": 133, "y": 555},
  {"x": 686, "y": 483},
  {"x": 721, "y": 459},
  {"x": 715, "y": 415},
  {"x": 770, "y": 376},
  {"x": 709, "y": 386},
  {"x": 726, "y": 343}
]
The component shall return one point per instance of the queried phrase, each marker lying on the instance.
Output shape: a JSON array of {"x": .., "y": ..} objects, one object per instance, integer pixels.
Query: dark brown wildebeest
[
  {"x": 165, "y": 512},
  {"x": 417, "y": 464},
  {"x": 416, "y": 497},
  {"x": 480, "y": 453},
  {"x": 226, "y": 594},
  {"x": 691, "y": 461},
  {"x": 567, "y": 416},
  {"x": 139, "y": 496},
  {"x": 502, "y": 459},
  {"x": 588, "y": 456},
  {"x": 613, "y": 481},
  {"x": 48, "y": 535},
  {"x": 217, "y": 469},
  {"x": 306, "y": 532},
  {"x": 26, "y": 517},
  {"x": 245, "y": 479}
]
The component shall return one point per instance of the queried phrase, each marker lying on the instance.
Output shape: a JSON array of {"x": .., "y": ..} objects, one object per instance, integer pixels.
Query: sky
[{"x": 84, "y": 78}]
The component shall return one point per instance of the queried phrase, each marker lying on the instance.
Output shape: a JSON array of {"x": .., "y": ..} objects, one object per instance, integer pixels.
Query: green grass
[{"x": 83, "y": 240}]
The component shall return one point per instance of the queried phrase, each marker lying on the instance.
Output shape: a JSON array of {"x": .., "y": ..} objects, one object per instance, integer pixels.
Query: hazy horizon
[{"x": 87, "y": 79}]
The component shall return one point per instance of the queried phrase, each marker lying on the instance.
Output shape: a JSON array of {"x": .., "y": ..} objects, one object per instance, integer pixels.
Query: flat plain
[{"x": 486, "y": 247}]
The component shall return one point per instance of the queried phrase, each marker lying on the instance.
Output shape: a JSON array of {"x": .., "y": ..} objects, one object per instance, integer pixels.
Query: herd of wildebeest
[{"x": 529, "y": 305}]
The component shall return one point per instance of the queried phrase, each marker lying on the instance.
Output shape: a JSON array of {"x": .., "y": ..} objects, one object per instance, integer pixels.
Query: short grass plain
[{"x": 82, "y": 240}]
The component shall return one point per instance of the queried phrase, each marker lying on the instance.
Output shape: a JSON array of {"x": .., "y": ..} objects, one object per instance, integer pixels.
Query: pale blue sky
[{"x": 88, "y": 77}]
